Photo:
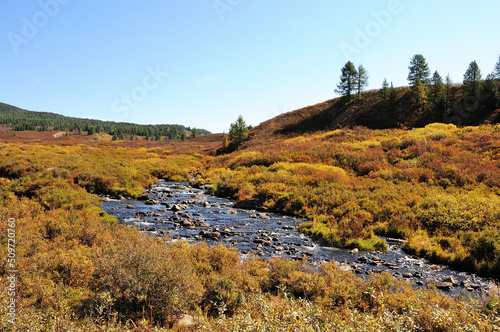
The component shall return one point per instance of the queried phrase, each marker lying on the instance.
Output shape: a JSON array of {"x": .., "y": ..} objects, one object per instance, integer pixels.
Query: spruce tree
[
  {"x": 347, "y": 80},
  {"x": 393, "y": 95},
  {"x": 224, "y": 140},
  {"x": 448, "y": 92},
  {"x": 436, "y": 88},
  {"x": 491, "y": 93},
  {"x": 419, "y": 71},
  {"x": 496, "y": 71},
  {"x": 361, "y": 80},
  {"x": 238, "y": 132},
  {"x": 472, "y": 78},
  {"x": 383, "y": 94},
  {"x": 418, "y": 93}
]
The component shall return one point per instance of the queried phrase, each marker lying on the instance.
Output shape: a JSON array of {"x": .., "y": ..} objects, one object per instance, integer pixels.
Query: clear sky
[{"x": 202, "y": 63}]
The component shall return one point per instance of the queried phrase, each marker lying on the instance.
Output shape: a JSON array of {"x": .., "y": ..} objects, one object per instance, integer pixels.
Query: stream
[{"x": 177, "y": 211}]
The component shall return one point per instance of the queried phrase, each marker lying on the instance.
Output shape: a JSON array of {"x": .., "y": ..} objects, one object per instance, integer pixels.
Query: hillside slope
[{"x": 370, "y": 112}]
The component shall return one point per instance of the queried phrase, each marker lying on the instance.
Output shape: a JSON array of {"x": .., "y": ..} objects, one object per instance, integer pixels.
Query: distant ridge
[{"x": 19, "y": 119}]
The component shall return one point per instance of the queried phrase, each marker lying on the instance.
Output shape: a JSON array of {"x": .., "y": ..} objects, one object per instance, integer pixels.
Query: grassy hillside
[
  {"x": 402, "y": 112},
  {"x": 437, "y": 187}
]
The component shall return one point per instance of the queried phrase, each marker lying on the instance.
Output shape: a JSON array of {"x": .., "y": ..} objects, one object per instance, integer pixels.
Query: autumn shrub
[
  {"x": 224, "y": 277},
  {"x": 145, "y": 278}
]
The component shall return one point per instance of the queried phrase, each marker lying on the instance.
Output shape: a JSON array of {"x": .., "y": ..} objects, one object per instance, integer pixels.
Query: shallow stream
[{"x": 178, "y": 211}]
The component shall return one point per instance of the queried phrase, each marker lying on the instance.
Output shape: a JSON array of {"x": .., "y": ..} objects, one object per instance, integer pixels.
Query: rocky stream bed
[{"x": 178, "y": 211}]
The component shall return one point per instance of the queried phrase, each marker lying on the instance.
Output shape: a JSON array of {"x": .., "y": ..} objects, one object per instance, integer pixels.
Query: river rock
[
  {"x": 279, "y": 248},
  {"x": 430, "y": 281},
  {"x": 345, "y": 268},
  {"x": 392, "y": 266},
  {"x": 289, "y": 227},
  {"x": 143, "y": 197},
  {"x": 197, "y": 184},
  {"x": 451, "y": 280},
  {"x": 130, "y": 207},
  {"x": 252, "y": 204},
  {"x": 444, "y": 285},
  {"x": 355, "y": 251},
  {"x": 186, "y": 223},
  {"x": 231, "y": 212},
  {"x": 176, "y": 208},
  {"x": 434, "y": 268},
  {"x": 407, "y": 275},
  {"x": 185, "y": 321}
]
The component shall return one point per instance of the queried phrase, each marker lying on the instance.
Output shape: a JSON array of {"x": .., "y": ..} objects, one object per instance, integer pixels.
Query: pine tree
[
  {"x": 383, "y": 94},
  {"x": 448, "y": 92},
  {"x": 224, "y": 141},
  {"x": 347, "y": 80},
  {"x": 361, "y": 80},
  {"x": 491, "y": 93},
  {"x": 436, "y": 88},
  {"x": 418, "y": 93},
  {"x": 238, "y": 132},
  {"x": 419, "y": 71},
  {"x": 496, "y": 71},
  {"x": 472, "y": 78},
  {"x": 183, "y": 136},
  {"x": 194, "y": 133},
  {"x": 393, "y": 95}
]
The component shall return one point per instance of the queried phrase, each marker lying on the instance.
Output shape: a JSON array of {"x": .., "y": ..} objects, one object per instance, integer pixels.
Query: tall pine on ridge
[{"x": 348, "y": 79}]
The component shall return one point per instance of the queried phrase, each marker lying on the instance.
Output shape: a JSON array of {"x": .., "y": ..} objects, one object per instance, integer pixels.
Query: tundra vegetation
[
  {"x": 436, "y": 185},
  {"x": 79, "y": 270}
]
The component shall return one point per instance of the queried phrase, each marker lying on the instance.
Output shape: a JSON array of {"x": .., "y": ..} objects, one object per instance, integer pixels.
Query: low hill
[
  {"x": 399, "y": 111},
  {"x": 19, "y": 120}
]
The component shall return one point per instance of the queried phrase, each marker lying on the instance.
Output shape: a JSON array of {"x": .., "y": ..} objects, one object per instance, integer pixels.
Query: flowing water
[{"x": 177, "y": 211}]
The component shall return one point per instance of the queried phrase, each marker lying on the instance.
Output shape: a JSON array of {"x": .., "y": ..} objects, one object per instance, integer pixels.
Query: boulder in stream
[{"x": 444, "y": 285}]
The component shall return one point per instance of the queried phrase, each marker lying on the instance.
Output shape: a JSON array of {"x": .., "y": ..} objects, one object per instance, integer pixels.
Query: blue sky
[{"x": 202, "y": 63}]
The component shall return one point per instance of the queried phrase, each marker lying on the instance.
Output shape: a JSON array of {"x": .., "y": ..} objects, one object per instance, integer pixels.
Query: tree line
[
  {"x": 20, "y": 120},
  {"x": 431, "y": 92}
]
